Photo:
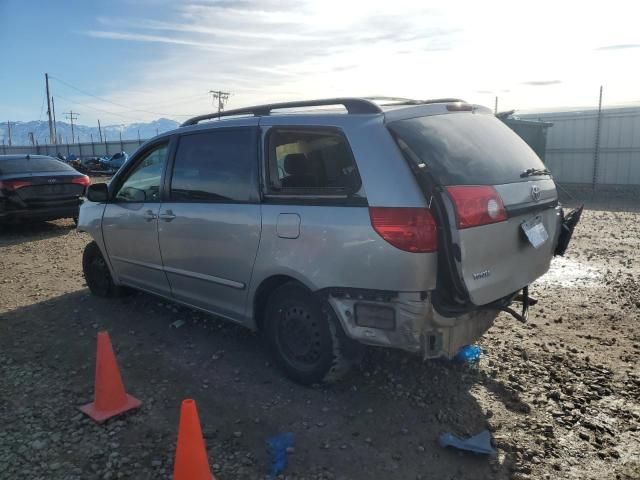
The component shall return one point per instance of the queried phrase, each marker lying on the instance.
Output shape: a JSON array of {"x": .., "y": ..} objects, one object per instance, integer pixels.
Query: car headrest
[{"x": 296, "y": 164}]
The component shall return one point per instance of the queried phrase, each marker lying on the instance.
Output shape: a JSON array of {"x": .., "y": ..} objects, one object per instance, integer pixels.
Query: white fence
[
  {"x": 80, "y": 150},
  {"x": 577, "y": 154}
]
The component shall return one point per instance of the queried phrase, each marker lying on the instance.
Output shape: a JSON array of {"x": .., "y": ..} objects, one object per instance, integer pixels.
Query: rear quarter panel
[{"x": 337, "y": 246}]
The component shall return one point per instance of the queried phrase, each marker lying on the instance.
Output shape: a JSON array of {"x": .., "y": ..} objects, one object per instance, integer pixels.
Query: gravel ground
[{"x": 561, "y": 395}]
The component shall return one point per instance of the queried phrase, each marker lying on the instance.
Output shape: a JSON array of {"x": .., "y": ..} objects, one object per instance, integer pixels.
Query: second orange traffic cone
[
  {"x": 110, "y": 397},
  {"x": 191, "y": 461}
]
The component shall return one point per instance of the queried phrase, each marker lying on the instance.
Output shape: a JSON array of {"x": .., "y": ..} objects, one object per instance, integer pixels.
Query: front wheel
[
  {"x": 305, "y": 337},
  {"x": 97, "y": 274}
]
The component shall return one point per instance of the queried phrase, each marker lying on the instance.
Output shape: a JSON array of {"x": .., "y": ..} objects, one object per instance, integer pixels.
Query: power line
[
  {"x": 41, "y": 107},
  {"x": 117, "y": 114},
  {"x": 99, "y": 109},
  {"x": 129, "y": 109}
]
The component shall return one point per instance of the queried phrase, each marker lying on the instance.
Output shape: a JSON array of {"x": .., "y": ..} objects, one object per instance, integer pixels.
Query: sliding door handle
[
  {"x": 167, "y": 216},
  {"x": 149, "y": 215}
]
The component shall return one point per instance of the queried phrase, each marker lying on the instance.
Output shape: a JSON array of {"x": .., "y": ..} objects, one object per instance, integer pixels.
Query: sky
[{"x": 127, "y": 61}]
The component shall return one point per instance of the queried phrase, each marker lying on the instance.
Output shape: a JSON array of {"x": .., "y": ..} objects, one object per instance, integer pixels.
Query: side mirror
[{"x": 98, "y": 192}]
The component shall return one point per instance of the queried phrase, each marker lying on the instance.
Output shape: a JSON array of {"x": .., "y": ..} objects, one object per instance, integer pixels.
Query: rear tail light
[
  {"x": 477, "y": 205},
  {"x": 13, "y": 184},
  {"x": 409, "y": 229},
  {"x": 83, "y": 180}
]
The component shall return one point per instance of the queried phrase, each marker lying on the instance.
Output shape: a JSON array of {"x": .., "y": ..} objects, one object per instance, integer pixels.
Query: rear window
[
  {"x": 24, "y": 165},
  {"x": 466, "y": 148}
]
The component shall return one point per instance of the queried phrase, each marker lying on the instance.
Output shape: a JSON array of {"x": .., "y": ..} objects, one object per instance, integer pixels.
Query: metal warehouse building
[{"x": 590, "y": 149}]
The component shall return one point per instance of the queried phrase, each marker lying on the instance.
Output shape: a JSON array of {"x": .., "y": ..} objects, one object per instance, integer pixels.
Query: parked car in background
[
  {"x": 114, "y": 162},
  {"x": 39, "y": 188},
  {"x": 408, "y": 226}
]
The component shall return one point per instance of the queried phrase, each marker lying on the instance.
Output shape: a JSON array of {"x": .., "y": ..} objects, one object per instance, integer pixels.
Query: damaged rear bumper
[{"x": 409, "y": 322}]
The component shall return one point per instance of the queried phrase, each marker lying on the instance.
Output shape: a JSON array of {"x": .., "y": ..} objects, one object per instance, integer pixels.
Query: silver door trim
[
  {"x": 136, "y": 262},
  {"x": 207, "y": 278}
]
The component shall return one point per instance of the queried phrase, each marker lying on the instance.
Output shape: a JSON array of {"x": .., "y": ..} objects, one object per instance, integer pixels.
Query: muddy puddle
[{"x": 571, "y": 273}]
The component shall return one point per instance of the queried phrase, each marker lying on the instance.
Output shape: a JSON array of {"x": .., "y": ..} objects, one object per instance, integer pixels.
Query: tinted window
[
  {"x": 311, "y": 160},
  {"x": 33, "y": 164},
  {"x": 217, "y": 165},
  {"x": 466, "y": 148},
  {"x": 143, "y": 182}
]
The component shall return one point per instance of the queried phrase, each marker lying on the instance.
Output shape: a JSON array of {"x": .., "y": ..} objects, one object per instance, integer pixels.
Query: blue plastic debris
[
  {"x": 278, "y": 446},
  {"x": 468, "y": 354},
  {"x": 480, "y": 443}
]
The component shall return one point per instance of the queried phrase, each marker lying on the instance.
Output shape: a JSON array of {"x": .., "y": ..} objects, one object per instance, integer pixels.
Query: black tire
[
  {"x": 97, "y": 274},
  {"x": 305, "y": 337}
]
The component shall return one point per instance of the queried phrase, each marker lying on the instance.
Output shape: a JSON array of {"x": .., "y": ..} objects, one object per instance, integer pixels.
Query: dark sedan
[{"x": 39, "y": 188}]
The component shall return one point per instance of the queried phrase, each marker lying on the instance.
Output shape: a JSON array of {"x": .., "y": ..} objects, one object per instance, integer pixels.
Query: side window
[
  {"x": 143, "y": 182},
  {"x": 216, "y": 166},
  {"x": 311, "y": 161}
]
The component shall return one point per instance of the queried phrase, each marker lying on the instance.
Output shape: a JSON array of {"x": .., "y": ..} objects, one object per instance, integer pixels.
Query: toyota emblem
[{"x": 535, "y": 193}]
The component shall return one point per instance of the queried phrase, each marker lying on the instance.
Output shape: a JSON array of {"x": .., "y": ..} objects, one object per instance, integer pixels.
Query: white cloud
[{"x": 544, "y": 54}]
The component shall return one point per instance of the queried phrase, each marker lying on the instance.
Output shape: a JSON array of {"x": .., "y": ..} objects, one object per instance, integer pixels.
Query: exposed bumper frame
[{"x": 419, "y": 328}]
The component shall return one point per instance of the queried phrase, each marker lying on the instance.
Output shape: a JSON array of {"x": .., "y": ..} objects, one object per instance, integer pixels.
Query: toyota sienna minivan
[{"x": 408, "y": 225}]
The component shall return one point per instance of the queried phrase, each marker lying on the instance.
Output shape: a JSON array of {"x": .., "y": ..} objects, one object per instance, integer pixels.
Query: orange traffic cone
[
  {"x": 191, "y": 461},
  {"x": 110, "y": 397}
]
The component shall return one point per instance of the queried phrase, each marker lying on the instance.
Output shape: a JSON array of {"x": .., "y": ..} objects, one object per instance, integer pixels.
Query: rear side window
[
  {"x": 314, "y": 161},
  {"x": 466, "y": 148},
  {"x": 33, "y": 164},
  {"x": 216, "y": 166}
]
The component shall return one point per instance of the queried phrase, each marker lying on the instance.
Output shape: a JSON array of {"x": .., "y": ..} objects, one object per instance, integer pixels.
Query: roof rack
[
  {"x": 353, "y": 106},
  {"x": 409, "y": 101}
]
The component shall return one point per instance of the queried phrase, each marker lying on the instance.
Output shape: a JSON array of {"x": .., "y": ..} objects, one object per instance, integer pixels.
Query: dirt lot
[{"x": 560, "y": 395}]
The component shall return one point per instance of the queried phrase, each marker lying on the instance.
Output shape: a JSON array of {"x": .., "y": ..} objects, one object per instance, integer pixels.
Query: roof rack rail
[
  {"x": 353, "y": 106},
  {"x": 408, "y": 101}
]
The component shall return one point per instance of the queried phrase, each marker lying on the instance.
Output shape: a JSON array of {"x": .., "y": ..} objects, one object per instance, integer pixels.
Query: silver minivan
[{"x": 408, "y": 225}]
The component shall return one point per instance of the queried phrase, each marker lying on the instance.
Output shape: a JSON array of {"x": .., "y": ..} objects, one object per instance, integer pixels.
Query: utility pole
[
  {"x": 33, "y": 141},
  {"x": 100, "y": 130},
  {"x": 9, "y": 131},
  {"x": 221, "y": 96},
  {"x": 52, "y": 138},
  {"x": 596, "y": 147},
  {"x": 71, "y": 116},
  {"x": 55, "y": 129},
  {"x": 495, "y": 108}
]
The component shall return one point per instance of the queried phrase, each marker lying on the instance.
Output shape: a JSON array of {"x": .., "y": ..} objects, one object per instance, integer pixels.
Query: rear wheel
[
  {"x": 97, "y": 274},
  {"x": 305, "y": 337}
]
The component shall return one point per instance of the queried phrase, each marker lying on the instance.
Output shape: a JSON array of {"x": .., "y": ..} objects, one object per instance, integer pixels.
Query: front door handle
[
  {"x": 167, "y": 216},
  {"x": 149, "y": 215}
]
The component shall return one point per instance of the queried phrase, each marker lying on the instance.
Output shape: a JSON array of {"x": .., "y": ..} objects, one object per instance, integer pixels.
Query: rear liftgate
[{"x": 567, "y": 227}]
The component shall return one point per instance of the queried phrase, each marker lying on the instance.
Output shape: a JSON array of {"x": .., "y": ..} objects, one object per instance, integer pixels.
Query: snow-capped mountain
[{"x": 40, "y": 129}]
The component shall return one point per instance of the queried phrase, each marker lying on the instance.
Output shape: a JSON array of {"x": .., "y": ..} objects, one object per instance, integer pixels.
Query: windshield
[
  {"x": 466, "y": 148},
  {"x": 33, "y": 165}
]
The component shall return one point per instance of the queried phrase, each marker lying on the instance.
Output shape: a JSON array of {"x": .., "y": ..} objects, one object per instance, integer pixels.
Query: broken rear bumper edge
[{"x": 418, "y": 328}]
